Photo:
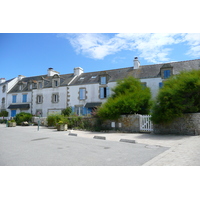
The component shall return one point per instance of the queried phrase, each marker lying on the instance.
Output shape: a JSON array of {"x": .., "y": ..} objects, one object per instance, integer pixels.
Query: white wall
[
  {"x": 47, "y": 105},
  {"x": 153, "y": 84}
]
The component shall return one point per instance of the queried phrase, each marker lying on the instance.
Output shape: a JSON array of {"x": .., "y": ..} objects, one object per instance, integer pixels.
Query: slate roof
[
  {"x": 64, "y": 80},
  {"x": 144, "y": 71}
]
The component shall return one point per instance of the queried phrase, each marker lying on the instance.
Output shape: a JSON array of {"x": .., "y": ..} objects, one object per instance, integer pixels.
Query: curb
[
  {"x": 99, "y": 137},
  {"x": 127, "y": 140},
  {"x": 72, "y": 134}
]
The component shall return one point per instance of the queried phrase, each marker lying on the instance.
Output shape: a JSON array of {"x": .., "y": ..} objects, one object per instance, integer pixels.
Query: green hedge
[{"x": 180, "y": 94}]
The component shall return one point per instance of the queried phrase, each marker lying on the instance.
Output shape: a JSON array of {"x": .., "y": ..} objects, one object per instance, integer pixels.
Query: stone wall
[
  {"x": 189, "y": 124},
  {"x": 126, "y": 123}
]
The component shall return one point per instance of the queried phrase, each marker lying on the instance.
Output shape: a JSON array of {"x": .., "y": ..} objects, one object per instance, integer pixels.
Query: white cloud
[{"x": 153, "y": 47}]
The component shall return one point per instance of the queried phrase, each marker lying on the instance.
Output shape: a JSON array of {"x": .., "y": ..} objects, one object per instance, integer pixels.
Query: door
[{"x": 13, "y": 113}]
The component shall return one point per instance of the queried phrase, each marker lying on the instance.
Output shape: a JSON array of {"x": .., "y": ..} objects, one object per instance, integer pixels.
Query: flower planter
[
  {"x": 11, "y": 124},
  {"x": 62, "y": 127}
]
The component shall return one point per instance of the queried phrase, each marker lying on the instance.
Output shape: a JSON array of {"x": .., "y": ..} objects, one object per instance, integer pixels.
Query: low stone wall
[
  {"x": 189, "y": 124},
  {"x": 42, "y": 120},
  {"x": 126, "y": 123}
]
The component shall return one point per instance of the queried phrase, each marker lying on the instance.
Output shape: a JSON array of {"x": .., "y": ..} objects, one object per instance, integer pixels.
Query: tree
[
  {"x": 129, "y": 97},
  {"x": 180, "y": 94}
]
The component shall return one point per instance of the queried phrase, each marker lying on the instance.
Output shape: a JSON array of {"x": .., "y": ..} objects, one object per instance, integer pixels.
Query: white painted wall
[
  {"x": 153, "y": 84},
  {"x": 47, "y": 105}
]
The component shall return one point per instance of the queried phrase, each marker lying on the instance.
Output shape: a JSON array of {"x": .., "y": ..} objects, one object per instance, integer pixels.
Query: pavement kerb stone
[
  {"x": 99, "y": 137},
  {"x": 127, "y": 140},
  {"x": 72, "y": 134}
]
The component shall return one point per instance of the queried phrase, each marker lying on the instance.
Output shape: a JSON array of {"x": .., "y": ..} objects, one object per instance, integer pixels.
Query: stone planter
[
  {"x": 11, "y": 124},
  {"x": 62, "y": 127}
]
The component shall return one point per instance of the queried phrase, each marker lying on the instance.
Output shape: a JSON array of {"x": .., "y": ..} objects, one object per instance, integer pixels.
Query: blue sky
[{"x": 31, "y": 54}]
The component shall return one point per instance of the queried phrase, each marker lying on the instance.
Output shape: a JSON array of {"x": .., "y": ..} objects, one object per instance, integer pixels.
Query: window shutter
[
  {"x": 160, "y": 85},
  {"x": 107, "y": 92},
  {"x": 101, "y": 92}
]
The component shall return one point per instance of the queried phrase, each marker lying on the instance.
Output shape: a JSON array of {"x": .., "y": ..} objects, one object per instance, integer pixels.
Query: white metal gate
[{"x": 145, "y": 123}]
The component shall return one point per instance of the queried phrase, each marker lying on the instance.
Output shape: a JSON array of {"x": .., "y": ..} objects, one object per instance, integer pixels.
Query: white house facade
[
  {"x": 53, "y": 92},
  {"x": 5, "y": 87}
]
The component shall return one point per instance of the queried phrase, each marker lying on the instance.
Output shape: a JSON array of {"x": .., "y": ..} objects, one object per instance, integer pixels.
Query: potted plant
[
  {"x": 12, "y": 123},
  {"x": 61, "y": 126}
]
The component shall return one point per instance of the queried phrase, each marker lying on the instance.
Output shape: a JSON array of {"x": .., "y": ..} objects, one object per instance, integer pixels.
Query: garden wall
[
  {"x": 189, "y": 124},
  {"x": 126, "y": 123}
]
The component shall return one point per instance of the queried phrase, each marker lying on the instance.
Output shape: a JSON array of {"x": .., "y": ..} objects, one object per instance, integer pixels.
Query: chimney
[
  {"x": 136, "y": 63},
  {"x": 20, "y": 77},
  {"x": 2, "y": 80},
  {"x": 78, "y": 71},
  {"x": 51, "y": 72}
]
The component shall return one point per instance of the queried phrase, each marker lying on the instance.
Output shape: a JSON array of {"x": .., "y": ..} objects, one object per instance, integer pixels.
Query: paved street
[{"x": 25, "y": 146}]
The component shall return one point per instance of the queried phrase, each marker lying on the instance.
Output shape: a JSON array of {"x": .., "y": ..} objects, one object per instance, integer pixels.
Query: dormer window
[
  {"x": 166, "y": 71},
  {"x": 55, "y": 83},
  {"x": 39, "y": 85},
  {"x": 103, "y": 80}
]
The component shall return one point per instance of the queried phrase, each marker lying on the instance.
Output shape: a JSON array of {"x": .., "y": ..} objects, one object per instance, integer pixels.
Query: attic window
[
  {"x": 82, "y": 78},
  {"x": 93, "y": 76}
]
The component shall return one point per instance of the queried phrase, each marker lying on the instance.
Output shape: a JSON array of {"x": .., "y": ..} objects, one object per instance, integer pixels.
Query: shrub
[
  {"x": 53, "y": 119},
  {"x": 67, "y": 111},
  {"x": 180, "y": 94},
  {"x": 21, "y": 117},
  {"x": 4, "y": 113},
  {"x": 129, "y": 97}
]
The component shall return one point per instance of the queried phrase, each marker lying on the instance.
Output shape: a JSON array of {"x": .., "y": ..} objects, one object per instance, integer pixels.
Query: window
[
  {"x": 3, "y": 100},
  {"x": 104, "y": 92},
  {"x": 55, "y": 83},
  {"x": 40, "y": 85},
  {"x": 167, "y": 73},
  {"x": 4, "y": 89},
  {"x": 55, "y": 98},
  {"x": 103, "y": 80},
  {"x": 39, "y": 99},
  {"x": 82, "y": 94},
  {"x": 79, "y": 110},
  {"x": 14, "y": 98},
  {"x": 24, "y": 98}
]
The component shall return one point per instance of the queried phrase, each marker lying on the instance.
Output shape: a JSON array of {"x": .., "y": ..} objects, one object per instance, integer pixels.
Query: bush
[
  {"x": 52, "y": 120},
  {"x": 67, "y": 111},
  {"x": 4, "y": 113},
  {"x": 180, "y": 94},
  {"x": 21, "y": 117},
  {"x": 129, "y": 97}
]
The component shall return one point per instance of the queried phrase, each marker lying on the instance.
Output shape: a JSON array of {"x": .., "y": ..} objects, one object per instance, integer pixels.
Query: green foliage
[
  {"x": 4, "y": 113},
  {"x": 180, "y": 94},
  {"x": 67, "y": 111},
  {"x": 21, "y": 117},
  {"x": 54, "y": 119},
  {"x": 129, "y": 97}
]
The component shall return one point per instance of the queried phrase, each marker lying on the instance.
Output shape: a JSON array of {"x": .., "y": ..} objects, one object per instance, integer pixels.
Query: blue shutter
[
  {"x": 24, "y": 98},
  {"x": 167, "y": 74},
  {"x": 160, "y": 85},
  {"x": 107, "y": 92},
  {"x": 13, "y": 113},
  {"x": 84, "y": 111},
  {"x": 14, "y": 98},
  {"x": 101, "y": 92}
]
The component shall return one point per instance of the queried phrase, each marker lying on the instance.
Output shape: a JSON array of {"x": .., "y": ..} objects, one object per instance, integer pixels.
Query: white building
[
  {"x": 50, "y": 93},
  {"x": 5, "y": 87}
]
